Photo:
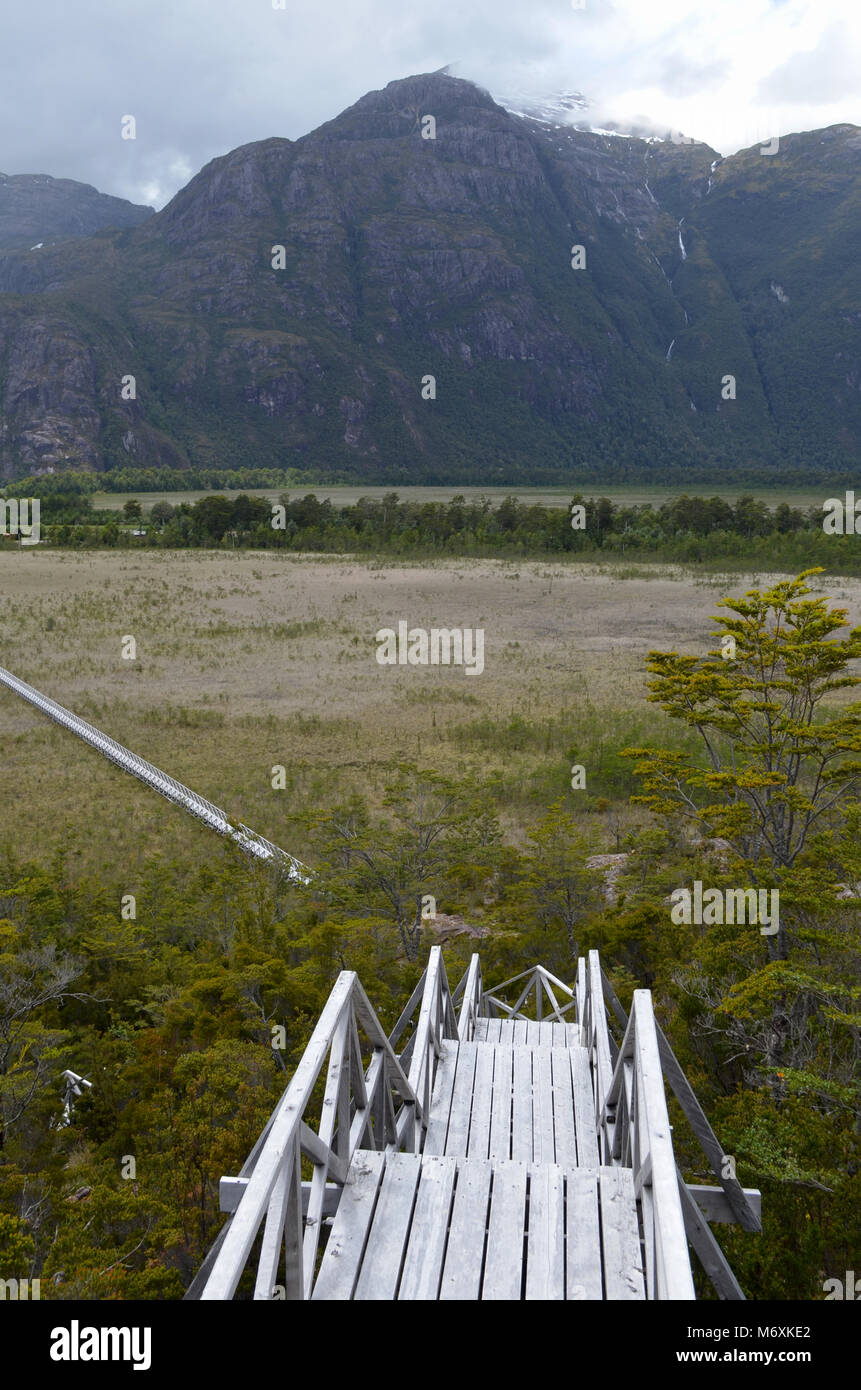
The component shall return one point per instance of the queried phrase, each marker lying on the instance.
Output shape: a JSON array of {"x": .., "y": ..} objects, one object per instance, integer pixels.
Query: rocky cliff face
[{"x": 289, "y": 306}]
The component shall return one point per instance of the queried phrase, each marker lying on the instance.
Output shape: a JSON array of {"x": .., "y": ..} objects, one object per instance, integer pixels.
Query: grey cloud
[
  {"x": 681, "y": 76},
  {"x": 203, "y": 76},
  {"x": 823, "y": 75}
]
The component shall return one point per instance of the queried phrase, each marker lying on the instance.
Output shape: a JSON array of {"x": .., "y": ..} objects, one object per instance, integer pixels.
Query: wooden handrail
[
  {"x": 272, "y": 1197},
  {"x": 539, "y": 982},
  {"x": 470, "y": 1009},
  {"x": 642, "y": 1141},
  {"x": 743, "y": 1211},
  {"x": 436, "y": 1021}
]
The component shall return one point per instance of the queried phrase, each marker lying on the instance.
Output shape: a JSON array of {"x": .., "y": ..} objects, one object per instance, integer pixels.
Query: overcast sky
[{"x": 203, "y": 76}]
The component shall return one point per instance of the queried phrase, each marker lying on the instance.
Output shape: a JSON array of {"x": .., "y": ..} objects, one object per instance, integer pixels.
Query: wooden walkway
[
  {"x": 468, "y": 1155},
  {"x": 507, "y": 1199},
  {"x": 422, "y": 1226}
]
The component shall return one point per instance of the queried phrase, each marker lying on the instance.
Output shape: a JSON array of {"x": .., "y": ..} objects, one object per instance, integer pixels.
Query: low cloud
[{"x": 204, "y": 76}]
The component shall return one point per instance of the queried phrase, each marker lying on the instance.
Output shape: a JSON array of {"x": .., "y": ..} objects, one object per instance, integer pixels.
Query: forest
[{"x": 685, "y": 529}]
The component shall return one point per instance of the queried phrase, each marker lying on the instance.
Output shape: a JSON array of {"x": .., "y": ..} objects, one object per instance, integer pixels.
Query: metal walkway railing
[{"x": 248, "y": 840}]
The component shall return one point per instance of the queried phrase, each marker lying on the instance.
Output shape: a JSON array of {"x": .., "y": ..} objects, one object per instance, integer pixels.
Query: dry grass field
[
  {"x": 247, "y": 660},
  {"x": 344, "y": 495}
]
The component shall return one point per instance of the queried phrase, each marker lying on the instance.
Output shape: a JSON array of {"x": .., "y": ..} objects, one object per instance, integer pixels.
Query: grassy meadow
[{"x": 245, "y": 661}]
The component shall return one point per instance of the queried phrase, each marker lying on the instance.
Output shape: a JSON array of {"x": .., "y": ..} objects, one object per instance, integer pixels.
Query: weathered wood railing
[
  {"x": 637, "y": 1129},
  {"x": 358, "y": 1110},
  {"x": 595, "y": 1037},
  {"x": 436, "y": 1021},
  {"x": 539, "y": 986},
  {"x": 471, "y": 994},
  {"x": 278, "y": 1217},
  {"x": 728, "y": 1202}
]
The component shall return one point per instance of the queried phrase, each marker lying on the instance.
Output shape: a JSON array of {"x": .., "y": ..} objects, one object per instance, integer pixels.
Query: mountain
[
  {"x": 34, "y": 208},
  {"x": 406, "y": 258}
]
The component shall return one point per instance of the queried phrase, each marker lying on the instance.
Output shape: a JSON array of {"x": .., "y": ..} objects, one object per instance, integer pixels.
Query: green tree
[
  {"x": 161, "y": 513},
  {"x": 780, "y": 763},
  {"x": 778, "y": 782},
  {"x": 560, "y": 889},
  {"x": 32, "y": 983},
  {"x": 388, "y": 869}
]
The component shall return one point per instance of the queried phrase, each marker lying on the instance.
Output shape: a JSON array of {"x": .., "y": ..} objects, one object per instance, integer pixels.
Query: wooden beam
[
  {"x": 230, "y": 1191},
  {"x": 711, "y": 1257},
  {"x": 408, "y": 1011},
  {"x": 715, "y": 1205},
  {"x": 471, "y": 998},
  {"x": 276, "y": 1151},
  {"x": 748, "y": 1217}
]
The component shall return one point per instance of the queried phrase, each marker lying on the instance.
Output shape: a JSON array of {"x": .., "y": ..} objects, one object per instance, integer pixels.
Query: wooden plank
[
  {"x": 478, "y": 1144},
  {"x": 748, "y": 1215},
  {"x": 464, "y": 1256},
  {"x": 543, "y": 1139},
  {"x": 506, "y": 1030},
  {"x": 564, "y": 1128},
  {"x": 709, "y": 1253},
  {"x": 521, "y": 1028},
  {"x": 471, "y": 998},
  {"x": 559, "y": 1035},
  {"x": 503, "y": 1267},
  {"x": 479, "y": 1030},
  {"x": 620, "y": 1235},
  {"x": 598, "y": 1021},
  {"x": 745, "y": 1214},
  {"x": 546, "y": 1034},
  {"x": 500, "y": 1119},
  {"x": 437, "y": 1129},
  {"x": 583, "y": 1236},
  {"x": 584, "y": 1109},
  {"x": 673, "y": 1271},
  {"x": 494, "y": 1028},
  {"x": 342, "y": 1257},
  {"x": 715, "y": 1206},
  {"x": 273, "y": 1234},
  {"x": 533, "y": 1033},
  {"x": 295, "y": 1285},
  {"x": 545, "y": 1254},
  {"x": 461, "y": 1100},
  {"x": 521, "y": 1107},
  {"x": 580, "y": 996},
  {"x": 429, "y": 1233},
  {"x": 408, "y": 1010},
  {"x": 387, "y": 1239}
]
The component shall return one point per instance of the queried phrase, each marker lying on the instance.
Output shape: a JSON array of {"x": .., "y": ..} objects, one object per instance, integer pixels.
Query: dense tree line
[{"x": 685, "y": 529}]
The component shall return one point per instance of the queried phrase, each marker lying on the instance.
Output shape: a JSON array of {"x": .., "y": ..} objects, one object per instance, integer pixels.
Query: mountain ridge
[
  {"x": 406, "y": 258},
  {"x": 52, "y": 209}
]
